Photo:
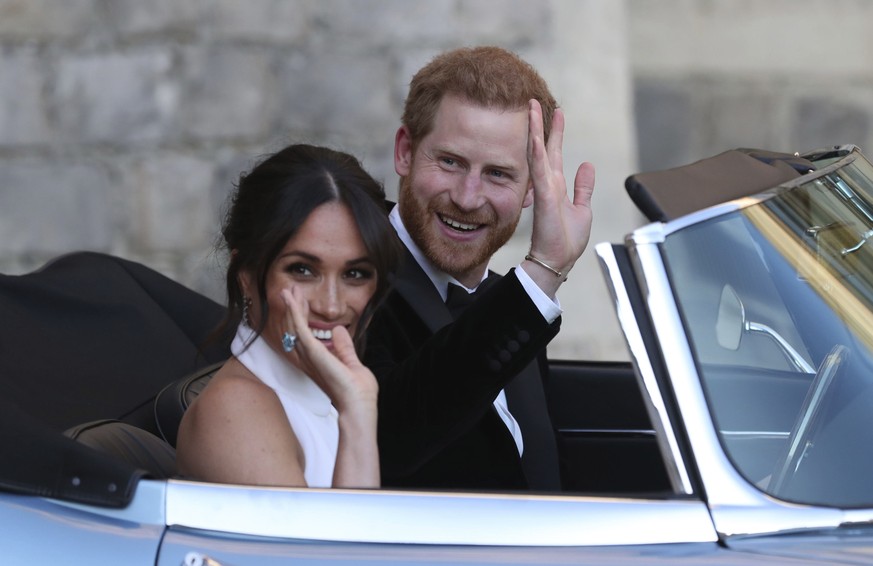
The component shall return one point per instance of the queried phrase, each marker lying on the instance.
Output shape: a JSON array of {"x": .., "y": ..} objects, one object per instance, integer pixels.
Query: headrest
[{"x": 174, "y": 399}]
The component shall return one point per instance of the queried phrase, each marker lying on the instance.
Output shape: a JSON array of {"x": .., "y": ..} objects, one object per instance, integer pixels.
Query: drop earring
[{"x": 247, "y": 303}]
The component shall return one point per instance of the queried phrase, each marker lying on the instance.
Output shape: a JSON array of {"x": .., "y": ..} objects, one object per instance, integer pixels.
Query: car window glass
[{"x": 777, "y": 301}]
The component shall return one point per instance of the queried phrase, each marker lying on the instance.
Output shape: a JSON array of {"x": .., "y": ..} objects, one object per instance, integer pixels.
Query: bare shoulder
[
  {"x": 235, "y": 418},
  {"x": 233, "y": 397},
  {"x": 233, "y": 386}
]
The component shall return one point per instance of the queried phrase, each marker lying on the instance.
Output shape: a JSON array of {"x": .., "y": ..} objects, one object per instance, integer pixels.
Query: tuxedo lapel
[
  {"x": 413, "y": 284},
  {"x": 526, "y": 399}
]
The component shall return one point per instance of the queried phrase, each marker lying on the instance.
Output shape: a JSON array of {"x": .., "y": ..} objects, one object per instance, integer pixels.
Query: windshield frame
[{"x": 738, "y": 507}]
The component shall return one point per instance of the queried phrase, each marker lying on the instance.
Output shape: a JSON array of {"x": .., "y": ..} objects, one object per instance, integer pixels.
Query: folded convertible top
[{"x": 671, "y": 193}]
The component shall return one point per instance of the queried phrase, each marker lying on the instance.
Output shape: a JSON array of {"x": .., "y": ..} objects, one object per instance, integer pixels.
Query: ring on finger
[{"x": 288, "y": 341}]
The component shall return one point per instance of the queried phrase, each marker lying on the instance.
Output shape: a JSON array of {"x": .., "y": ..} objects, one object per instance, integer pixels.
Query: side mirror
[
  {"x": 731, "y": 324},
  {"x": 731, "y": 319}
]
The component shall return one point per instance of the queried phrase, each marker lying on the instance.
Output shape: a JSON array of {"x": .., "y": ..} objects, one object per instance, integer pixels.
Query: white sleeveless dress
[{"x": 308, "y": 408}]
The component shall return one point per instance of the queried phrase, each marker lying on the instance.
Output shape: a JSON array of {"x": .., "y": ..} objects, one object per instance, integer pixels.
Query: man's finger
[
  {"x": 538, "y": 161},
  {"x": 554, "y": 148},
  {"x": 583, "y": 186},
  {"x": 535, "y": 124}
]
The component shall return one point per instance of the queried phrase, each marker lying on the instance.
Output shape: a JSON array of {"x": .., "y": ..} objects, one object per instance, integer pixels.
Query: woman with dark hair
[{"x": 311, "y": 250}]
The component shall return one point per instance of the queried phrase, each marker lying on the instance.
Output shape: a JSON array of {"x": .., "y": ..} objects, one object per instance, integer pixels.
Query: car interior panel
[{"x": 605, "y": 435}]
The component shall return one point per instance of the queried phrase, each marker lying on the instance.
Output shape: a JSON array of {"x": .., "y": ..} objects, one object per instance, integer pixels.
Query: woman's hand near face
[
  {"x": 352, "y": 389},
  {"x": 340, "y": 374}
]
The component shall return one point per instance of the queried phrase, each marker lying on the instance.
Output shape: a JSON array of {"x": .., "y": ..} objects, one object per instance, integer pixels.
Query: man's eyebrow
[{"x": 505, "y": 167}]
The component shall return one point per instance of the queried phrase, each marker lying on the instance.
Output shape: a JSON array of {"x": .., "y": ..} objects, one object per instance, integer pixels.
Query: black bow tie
[{"x": 458, "y": 299}]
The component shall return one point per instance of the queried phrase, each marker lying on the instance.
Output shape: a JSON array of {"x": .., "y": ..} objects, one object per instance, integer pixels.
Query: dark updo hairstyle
[{"x": 275, "y": 198}]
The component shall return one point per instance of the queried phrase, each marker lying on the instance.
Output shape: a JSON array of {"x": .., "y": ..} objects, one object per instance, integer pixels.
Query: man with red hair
[{"x": 461, "y": 400}]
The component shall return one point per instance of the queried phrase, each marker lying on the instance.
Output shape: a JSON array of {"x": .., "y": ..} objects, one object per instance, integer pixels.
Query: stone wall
[
  {"x": 787, "y": 75},
  {"x": 124, "y": 123}
]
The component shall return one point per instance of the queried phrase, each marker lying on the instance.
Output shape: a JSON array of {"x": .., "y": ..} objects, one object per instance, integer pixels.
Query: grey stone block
[
  {"x": 748, "y": 114},
  {"x": 262, "y": 21},
  {"x": 367, "y": 25},
  {"x": 664, "y": 116},
  {"x": 169, "y": 208},
  {"x": 820, "y": 121},
  {"x": 26, "y": 20},
  {"x": 23, "y": 117},
  {"x": 54, "y": 207},
  {"x": 516, "y": 22},
  {"x": 132, "y": 17},
  {"x": 339, "y": 95},
  {"x": 118, "y": 97},
  {"x": 229, "y": 92}
]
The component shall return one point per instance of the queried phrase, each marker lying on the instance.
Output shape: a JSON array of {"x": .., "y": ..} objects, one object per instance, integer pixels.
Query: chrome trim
[
  {"x": 776, "y": 435},
  {"x": 656, "y": 232},
  {"x": 792, "y": 355},
  {"x": 435, "y": 518},
  {"x": 608, "y": 431},
  {"x": 846, "y": 147},
  {"x": 857, "y": 517},
  {"x": 645, "y": 373}
]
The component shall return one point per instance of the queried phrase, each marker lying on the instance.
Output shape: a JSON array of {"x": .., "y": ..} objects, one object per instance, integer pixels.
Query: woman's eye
[
  {"x": 298, "y": 269},
  {"x": 360, "y": 274}
]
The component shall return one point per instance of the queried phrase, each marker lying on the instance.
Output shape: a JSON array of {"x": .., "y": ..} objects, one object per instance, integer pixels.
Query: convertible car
[{"x": 740, "y": 431}]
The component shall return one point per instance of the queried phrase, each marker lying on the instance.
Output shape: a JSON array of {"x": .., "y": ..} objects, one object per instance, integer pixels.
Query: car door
[
  {"x": 606, "y": 441},
  {"x": 213, "y": 524}
]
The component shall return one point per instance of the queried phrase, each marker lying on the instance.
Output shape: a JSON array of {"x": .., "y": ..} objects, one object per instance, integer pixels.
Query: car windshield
[{"x": 776, "y": 298}]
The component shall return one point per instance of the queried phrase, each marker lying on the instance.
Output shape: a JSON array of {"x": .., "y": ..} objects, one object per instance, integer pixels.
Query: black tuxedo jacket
[{"x": 438, "y": 427}]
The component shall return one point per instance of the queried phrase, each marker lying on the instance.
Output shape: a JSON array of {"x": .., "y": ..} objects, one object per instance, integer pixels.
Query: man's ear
[
  {"x": 402, "y": 151},
  {"x": 528, "y": 197}
]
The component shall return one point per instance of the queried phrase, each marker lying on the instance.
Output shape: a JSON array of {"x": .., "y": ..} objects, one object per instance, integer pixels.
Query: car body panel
[
  {"x": 848, "y": 545},
  {"x": 44, "y": 531},
  {"x": 215, "y": 551},
  {"x": 436, "y": 518}
]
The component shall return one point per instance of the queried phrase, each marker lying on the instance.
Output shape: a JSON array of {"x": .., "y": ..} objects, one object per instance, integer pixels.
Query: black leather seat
[
  {"x": 174, "y": 399},
  {"x": 91, "y": 336},
  {"x": 137, "y": 447},
  {"x": 86, "y": 343}
]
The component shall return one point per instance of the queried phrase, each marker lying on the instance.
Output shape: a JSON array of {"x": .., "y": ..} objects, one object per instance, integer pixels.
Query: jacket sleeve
[{"x": 433, "y": 388}]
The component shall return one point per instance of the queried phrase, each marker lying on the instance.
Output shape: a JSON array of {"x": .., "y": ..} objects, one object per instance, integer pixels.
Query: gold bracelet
[{"x": 544, "y": 264}]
